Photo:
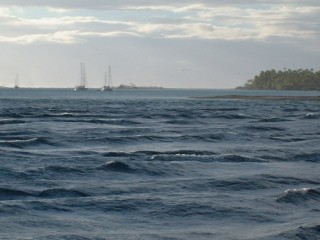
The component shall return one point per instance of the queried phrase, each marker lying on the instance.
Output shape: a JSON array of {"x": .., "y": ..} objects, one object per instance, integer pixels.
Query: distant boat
[
  {"x": 82, "y": 85},
  {"x": 107, "y": 87},
  {"x": 16, "y": 82}
]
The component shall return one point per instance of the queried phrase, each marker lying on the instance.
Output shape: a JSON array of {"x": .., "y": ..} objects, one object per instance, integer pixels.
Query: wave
[
  {"x": 133, "y": 139},
  {"x": 237, "y": 158},
  {"x": 204, "y": 157},
  {"x": 115, "y": 166},
  {"x": 63, "y": 169},
  {"x": 10, "y": 115},
  {"x": 161, "y": 138},
  {"x": 21, "y": 143},
  {"x": 186, "y": 155},
  {"x": 60, "y": 115},
  {"x": 151, "y": 155},
  {"x": 285, "y": 180},
  {"x": 264, "y": 128},
  {"x": 204, "y": 137},
  {"x": 18, "y": 143},
  {"x": 162, "y": 208},
  {"x": 273, "y": 119},
  {"x": 302, "y": 232},
  {"x": 308, "y": 232},
  {"x": 117, "y": 154},
  {"x": 181, "y": 156},
  {"x": 297, "y": 196},
  {"x": 12, "y": 194},
  {"x": 218, "y": 109},
  {"x": 292, "y": 109},
  {"x": 177, "y": 152},
  {"x": 149, "y": 168},
  {"x": 228, "y": 185},
  {"x": 308, "y": 157},
  {"x": 61, "y": 193},
  {"x": 56, "y": 172},
  {"x": 19, "y": 140},
  {"x": 120, "y": 122},
  {"x": 47, "y": 205},
  {"x": 256, "y": 182},
  {"x": 70, "y": 237},
  {"x": 10, "y": 121},
  {"x": 226, "y": 109},
  {"x": 8, "y": 173},
  {"x": 312, "y": 116},
  {"x": 232, "y": 116},
  {"x": 210, "y": 211},
  {"x": 179, "y": 122},
  {"x": 287, "y": 139}
]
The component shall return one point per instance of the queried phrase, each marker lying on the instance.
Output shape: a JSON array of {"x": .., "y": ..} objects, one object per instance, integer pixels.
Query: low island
[
  {"x": 300, "y": 80},
  {"x": 133, "y": 86}
]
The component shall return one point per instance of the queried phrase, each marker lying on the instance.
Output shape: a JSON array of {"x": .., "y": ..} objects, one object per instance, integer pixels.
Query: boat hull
[
  {"x": 80, "y": 88},
  {"x": 106, "y": 89}
]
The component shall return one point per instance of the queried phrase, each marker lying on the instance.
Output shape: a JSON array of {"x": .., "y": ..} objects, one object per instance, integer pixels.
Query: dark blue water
[{"x": 156, "y": 164}]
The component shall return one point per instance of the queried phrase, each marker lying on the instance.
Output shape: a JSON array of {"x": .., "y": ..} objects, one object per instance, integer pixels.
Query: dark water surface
[{"x": 155, "y": 164}]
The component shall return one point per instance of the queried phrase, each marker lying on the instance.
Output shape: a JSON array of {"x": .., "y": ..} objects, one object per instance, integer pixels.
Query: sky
[{"x": 174, "y": 44}]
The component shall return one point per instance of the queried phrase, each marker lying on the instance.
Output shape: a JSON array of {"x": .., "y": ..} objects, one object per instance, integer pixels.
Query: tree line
[{"x": 300, "y": 79}]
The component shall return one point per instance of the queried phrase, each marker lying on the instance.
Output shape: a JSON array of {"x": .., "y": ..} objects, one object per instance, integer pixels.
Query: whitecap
[{"x": 19, "y": 140}]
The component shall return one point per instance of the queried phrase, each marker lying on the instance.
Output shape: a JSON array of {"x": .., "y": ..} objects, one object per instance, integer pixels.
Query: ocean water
[{"x": 157, "y": 164}]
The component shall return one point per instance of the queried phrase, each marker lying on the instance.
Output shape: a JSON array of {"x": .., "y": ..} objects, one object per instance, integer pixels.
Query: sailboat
[
  {"x": 107, "y": 87},
  {"x": 16, "y": 82},
  {"x": 82, "y": 85}
]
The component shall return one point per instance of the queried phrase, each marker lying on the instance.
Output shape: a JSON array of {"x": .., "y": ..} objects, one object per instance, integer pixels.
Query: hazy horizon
[{"x": 191, "y": 44}]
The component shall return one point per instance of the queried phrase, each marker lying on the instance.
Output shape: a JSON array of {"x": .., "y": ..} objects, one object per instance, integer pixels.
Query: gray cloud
[
  {"x": 198, "y": 21},
  {"x": 218, "y": 43},
  {"x": 103, "y": 4}
]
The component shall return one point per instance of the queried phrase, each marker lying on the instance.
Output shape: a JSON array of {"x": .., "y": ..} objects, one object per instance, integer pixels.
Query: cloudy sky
[{"x": 190, "y": 44}]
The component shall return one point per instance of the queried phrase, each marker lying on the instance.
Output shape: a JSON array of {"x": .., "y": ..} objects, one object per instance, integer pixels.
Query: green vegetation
[{"x": 301, "y": 79}]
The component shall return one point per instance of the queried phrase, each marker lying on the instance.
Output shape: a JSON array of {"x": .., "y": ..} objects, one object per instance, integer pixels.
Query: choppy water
[{"x": 137, "y": 164}]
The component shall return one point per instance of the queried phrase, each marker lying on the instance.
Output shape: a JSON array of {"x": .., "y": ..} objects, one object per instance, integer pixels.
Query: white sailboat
[
  {"x": 16, "y": 82},
  {"x": 82, "y": 85},
  {"x": 107, "y": 87}
]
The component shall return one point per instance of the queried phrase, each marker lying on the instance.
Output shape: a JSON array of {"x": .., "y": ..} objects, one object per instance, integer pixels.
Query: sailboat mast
[
  {"x": 82, "y": 85},
  {"x": 83, "y": 75},
  {"x": 16, "y": 82},
  {"x": 107, "y": 80},
  {"x": 110, "y": 77}
]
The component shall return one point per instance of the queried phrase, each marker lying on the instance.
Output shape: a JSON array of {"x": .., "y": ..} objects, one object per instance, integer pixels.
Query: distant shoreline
[
  {"x": 287, "y": 79},
  {"x": 246, "y": 97},
  {"x": 72, "y": 88}
]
